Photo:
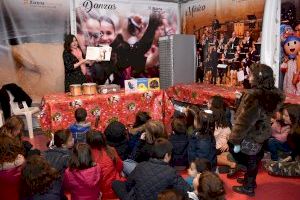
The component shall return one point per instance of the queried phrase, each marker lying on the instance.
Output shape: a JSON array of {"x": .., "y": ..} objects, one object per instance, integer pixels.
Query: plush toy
[
  {"x": 285, "y": 32},
  {"x": 291, "y": 79}
]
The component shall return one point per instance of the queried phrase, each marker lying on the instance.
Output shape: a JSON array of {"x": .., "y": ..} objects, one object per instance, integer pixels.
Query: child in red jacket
[{"x": 108, "y": 160}]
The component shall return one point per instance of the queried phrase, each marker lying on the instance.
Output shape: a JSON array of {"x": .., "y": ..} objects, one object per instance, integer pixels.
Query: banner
[
  {"x": 196, "y": 14},
  {"x": 228, "y": 34},
  {"x": 31, "y": 37},
  {"x": 131, "y": 28},
  {"x": 199, "y": 13},
  {"x": 271, "y": 42}
]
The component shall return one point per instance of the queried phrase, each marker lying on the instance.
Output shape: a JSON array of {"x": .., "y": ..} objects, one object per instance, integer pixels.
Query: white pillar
[{"x": 270, "y": 44}]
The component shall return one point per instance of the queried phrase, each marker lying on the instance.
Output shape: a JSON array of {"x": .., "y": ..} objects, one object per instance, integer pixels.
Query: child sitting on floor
[
  {"x": 14, "y": 128},
  {"x": 83, "y": 176},
  {"x": 108, "y": 160},
  {"x": 202, "y": 143},
  {"x": 198, "y": 166},
  {"x": 81, "y": 126},
  {"x": 153, "y": 176},
  {"x": 180, "y": 141},
  {"x": 40, "y": 181},
  {"x": 207, "y": 186},
  {"x": 60, "y": 154},
  {"x": 280, "y": 131}
]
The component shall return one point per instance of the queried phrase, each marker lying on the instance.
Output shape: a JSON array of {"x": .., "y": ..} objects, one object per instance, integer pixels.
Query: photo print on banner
[
  {"x": 131, "y": 28},
  {"x": 31, "y": 44},
  {"x": 228, "y": 38}
]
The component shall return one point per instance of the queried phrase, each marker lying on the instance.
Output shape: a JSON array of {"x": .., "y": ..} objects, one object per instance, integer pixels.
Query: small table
[
  {"x": 199, "y": 94},
  {"x": 58, "y": 109}
]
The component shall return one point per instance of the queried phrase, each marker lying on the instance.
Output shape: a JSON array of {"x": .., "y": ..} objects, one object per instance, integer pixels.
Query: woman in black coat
[{"x": 75, "y": 68}]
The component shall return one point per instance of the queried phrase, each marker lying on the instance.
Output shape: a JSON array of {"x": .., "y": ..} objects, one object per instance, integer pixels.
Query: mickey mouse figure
[{"x": 291, "y": 83}]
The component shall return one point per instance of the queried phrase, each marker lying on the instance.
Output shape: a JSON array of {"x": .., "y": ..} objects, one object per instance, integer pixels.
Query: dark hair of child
[
  {"x": 97, "y": 140},
  {"x": 179, "y": 125},
  {"x": 9, "y": 149},
  {"x": 162, "y": 147},
  {"x": 202, "y": 165},
  {"x": 192, "y": 116},
  {"x": 210, "y": 187},
  {"x": 61, "y": 137},
  {"x": 81, "y": 157},
  {"x": 37, "y": 176},
  {"x": 80, "y": 114},
  {"x": 207, "y": 124},
  {"x": 141, "y": 118},
  {"x": 170, "y": 194}
]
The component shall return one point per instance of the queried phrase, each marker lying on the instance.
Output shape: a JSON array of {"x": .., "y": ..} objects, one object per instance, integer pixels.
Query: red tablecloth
[
  {"x": 200, "y": 93},
  {"x": 58, "y": 109}
]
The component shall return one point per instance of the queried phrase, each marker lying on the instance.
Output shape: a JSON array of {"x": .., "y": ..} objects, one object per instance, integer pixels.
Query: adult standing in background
[{"x": 75, "y": 67}]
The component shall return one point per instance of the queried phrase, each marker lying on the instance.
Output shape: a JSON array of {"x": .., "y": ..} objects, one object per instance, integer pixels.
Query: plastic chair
[{"x": 27, "y": 111}]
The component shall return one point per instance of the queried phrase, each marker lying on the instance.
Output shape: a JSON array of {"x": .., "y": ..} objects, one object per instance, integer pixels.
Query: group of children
[{"x": 140, "y": 162}]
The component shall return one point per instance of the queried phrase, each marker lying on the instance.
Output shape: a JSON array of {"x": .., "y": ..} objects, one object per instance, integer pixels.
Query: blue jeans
[{"x": 274, "y": 145}]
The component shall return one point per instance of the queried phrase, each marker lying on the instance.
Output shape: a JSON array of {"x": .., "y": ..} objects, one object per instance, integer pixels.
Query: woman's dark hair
[
  {"x": 141, "y": 118},
  {"x": 210, "y": 187},
  {"x": 61, "y": 137},
  {"x": 161, "y": 147},
  {"x": 202, "y": 165},
  {"x": 97, "y": 140},
  {"x": 263, "y": 77},
  {"x": 108, "y": 20},
  {"x": 68, "y": 41},
  {"x": 294, "y": 114},
  {"x": 179, "y": 125},
  {"x": 37, "y": 176},
  {"x": 12, "y": 124},
  {"x": 171, "y": 194},
  {"x": 81, "y": 157},
  {"x": 9, "y": 149}
]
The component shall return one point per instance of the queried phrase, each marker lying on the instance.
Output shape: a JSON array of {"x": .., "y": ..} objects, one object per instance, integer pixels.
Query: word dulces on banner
[
  {"x": 194, "y": 9},
  {"x": 89, "y": 5}
]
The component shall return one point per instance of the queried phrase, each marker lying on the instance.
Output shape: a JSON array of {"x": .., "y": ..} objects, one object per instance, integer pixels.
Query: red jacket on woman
[
  {"x": 10, "y": 183},
  {"x": 83, "y": 184},
  {"x": 110, "y": 171}
]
